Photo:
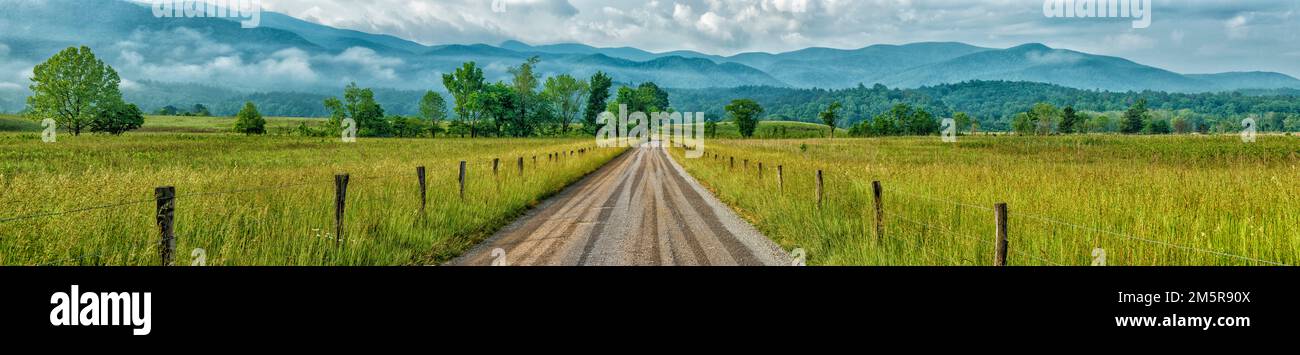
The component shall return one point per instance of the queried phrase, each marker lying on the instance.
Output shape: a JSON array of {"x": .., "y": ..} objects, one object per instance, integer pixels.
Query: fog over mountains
[{"x": 286, "y": 54}]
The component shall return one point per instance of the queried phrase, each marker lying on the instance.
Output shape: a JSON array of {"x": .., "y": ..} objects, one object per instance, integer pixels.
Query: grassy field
[
  {"x": 1175, "y": 200},
  {"x": 265, "y": 200},
  {"x": 174, "y": 124}
]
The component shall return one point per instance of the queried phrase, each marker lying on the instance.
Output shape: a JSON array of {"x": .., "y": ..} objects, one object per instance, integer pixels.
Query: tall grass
[
  {"x": 267, "y": 200},
  {"x": 1143, "y": 200}
]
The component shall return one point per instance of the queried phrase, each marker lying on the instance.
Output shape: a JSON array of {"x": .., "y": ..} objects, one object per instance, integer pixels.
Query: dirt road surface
[{"x": 641, "y": 209}]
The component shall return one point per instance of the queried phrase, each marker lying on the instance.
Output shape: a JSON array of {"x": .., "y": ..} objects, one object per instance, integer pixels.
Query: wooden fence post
[
  {"x": 424, "y": 188},
  {"x": 496, "y": 162},
  {"x": 733, "y": 162},
  {"x": 521, "y": 166},
  {"x": 819, "y": 188},
  {"x": 166, "y": 197},
  {"x": 780, "y": 177},
  {"x": 1000, "y": 255},
  {"x": 760, "y": 170},
  {"x": 880, "y": 211},
  {"x": 340, "y": 202},
  {"x": 462, "y": 180}
]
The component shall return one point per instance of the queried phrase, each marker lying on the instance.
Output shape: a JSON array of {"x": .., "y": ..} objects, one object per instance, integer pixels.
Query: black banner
[{"x": 283, "y": 304}]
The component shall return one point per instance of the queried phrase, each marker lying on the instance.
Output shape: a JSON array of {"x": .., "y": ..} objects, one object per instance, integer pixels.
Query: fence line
[
  {"x": 819, "y": 201},
  {"x": 158, "y": 243}
]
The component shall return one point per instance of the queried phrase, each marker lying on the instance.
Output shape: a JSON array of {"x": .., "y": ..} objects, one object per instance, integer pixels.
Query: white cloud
[{"x": 1238, "y": 27}]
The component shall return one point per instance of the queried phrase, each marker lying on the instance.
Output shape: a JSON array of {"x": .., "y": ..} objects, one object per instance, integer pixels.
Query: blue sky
[{"x": 1186, "y": 36}]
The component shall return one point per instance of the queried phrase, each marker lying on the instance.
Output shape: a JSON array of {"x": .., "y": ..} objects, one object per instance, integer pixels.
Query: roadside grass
[
  {"x": 267, "y": 200},
  {"x": 1174, "y": 200}
]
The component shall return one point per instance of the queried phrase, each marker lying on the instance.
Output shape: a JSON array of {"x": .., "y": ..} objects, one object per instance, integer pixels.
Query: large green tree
[
  {"x": 524, "y": 83},
  {"x": 1135, "y": 118},
  {"x": 596, "y": 101},
  {"x": 72, "y": 87},
  {"x": 465, "y": 86},
  {"x": 358, "y": 104},
  {"x": 117, "y": 118},
  {"x": 566, "y": 95},
  {"x": 745, "y": 113},
  {"x": 249, "y": 120}
]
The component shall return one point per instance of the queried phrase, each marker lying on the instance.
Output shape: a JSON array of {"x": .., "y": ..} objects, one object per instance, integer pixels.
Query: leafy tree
[
  {"x": 433, "y": 109},
  {"x": 169, "y": 110},
  {"x": 501, "y": 106},
  {"x": 72, "y": 87},
  {"x": 745, "y": 112},
  {"x": 566, "y": 95},
  {"x": 1135, "y": 118},
  {"x": 249, "y": 120},
  {"x": 524, "y": 84},
  {"x": 358, "y": 104},
  {"x": 599, "y": 93},
  {"x": 361, "y": 106},
  {"x": 1044, "y": 116},
  {"x": 831, "y": 116},
  {"x": 1023, "y": 124},
  {"x": 1182, "y": 125},
  {"x": 1069, "y": 120},
  {"x": 117, "y": 118},
  {"x": 407, "y": 127},
  {"x": 652, "y": 98},
  {"x": 200, "y": 111},
  {"x": 962, "y": 120},
  {"x": 465, "y": 84},
  {"x": 1157, "y": 127}
]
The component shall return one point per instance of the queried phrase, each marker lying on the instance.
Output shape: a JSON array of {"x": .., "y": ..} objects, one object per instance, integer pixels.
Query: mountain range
[{"x": 288, "y": 54}]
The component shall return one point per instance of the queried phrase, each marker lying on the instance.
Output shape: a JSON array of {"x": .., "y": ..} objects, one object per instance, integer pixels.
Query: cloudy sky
[{"x": 1186, "y": 36}]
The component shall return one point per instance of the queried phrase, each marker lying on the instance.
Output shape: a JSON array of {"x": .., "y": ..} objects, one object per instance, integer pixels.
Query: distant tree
[
  {"x": 566, "y": 95},
  {"x": 1044, "y": 117},
  {"x": 169, "y": 110},
  {"x": 1157, "y": 126},
  {"x": 831, "y": 116},
  {"x": 200, "y": 111},
  {"x": 1083, "y": 123},
  {"x": 652, "y": 98},
  {"x": 72, "y": 87},
  {"x": 1135, "y": 118},
  {"x": 1069, "y": 120},
  {"x": 407, "y": 127},
  {"x": 465, "y": 84},
  {"x": 1182, "y": 125},
  {"x": 711, "y": 129},
  {"x": 358, "y": 104},
  {"x": 745, "y": 112},
  {"x": 361, "y": 106},
  {"x": 249, "y": 120},
  {"x": 433, "y": 109},
  {"x": 1023, "y": 124},
  {"x": 963, "y": 121},
  {"x": 596, "y": 101},
  {"x": 117, "y": 118}
]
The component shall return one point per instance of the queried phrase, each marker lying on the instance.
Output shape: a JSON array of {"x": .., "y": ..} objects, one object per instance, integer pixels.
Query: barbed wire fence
[{"x": 165, "y": 202}]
